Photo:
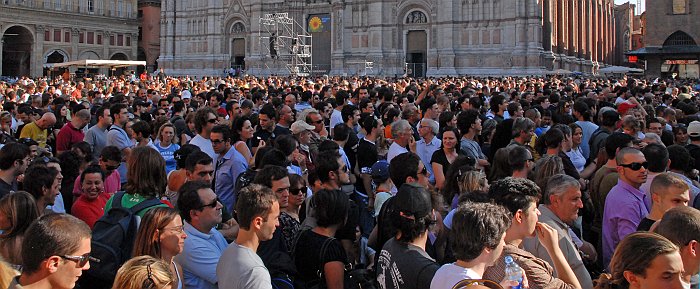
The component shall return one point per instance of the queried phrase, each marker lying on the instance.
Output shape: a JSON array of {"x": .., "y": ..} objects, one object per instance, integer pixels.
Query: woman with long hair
[
  {"x": 17, "y": 212},
  {"x": 289, "y": 216},
  {"x": 161, "y": 235},
  {"x": 545, "y": 168},
  {"x": 319, "y": 257},
  {"x": 644, "y": 260},
  {"x": 242, "y": 133},
  {"x": 167, "y": 145},
  {"x": 445, "y": 156},
  {"x": 145, "y": 179},
  {"x": 576, "y": 155},
  {"x": 144, "y": 272}
]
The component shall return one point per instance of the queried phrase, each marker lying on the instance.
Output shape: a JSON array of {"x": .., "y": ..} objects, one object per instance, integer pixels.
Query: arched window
[
  {"x": 416, "y": 17},
  {"x": 679, "y": 38}
]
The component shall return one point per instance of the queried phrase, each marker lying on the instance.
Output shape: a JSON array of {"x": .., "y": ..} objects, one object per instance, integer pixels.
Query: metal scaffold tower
[{"x": 283, "y": 41}]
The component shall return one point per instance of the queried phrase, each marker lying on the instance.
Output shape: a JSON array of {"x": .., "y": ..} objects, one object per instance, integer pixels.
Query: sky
[{"x": 633, "y": 2}]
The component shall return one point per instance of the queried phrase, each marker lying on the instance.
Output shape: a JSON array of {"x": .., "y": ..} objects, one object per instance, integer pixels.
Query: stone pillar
[
  {"x": 105, "y": 50},
  {"x": 560, "y": 26},
  {"x": 337, "y": 55},
  {"x": 38, "y": 52}
]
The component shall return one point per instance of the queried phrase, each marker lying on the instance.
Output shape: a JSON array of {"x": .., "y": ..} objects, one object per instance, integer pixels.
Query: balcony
[{"x": 51, "y": 6}]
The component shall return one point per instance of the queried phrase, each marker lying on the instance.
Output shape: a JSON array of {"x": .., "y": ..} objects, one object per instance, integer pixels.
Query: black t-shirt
[
  {"x": 350, "y": 148},
  {"x": 440, "y": 158},
  {"x": 569, "y": 167},
  {"x": 307, "y": 254},
  {"x": 366, "y": 157},
  {"x": 645, "y": 224},
  {"x": 6, "y": 189}
]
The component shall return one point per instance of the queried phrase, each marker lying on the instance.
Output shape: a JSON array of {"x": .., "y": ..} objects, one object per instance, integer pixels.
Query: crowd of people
[{"x": 349, "y": 182}]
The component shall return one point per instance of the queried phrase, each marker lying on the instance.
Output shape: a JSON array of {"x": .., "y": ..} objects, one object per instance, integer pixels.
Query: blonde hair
[
  {"x": 159, "y": 136},
  {"x": 545, "y": 168},
  {"x": 472, "y": 181},
  {"x": 143, "y": 272}
]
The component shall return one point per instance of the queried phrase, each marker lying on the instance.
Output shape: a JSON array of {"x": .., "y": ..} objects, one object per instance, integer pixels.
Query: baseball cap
[
  {"x": 694, "y": 129},
  {"x": 380, "y": 170},
  {"x": 300, "y": 126},
  {"x": 412, "y": 201},
  {"x": 186, "y": 94}
]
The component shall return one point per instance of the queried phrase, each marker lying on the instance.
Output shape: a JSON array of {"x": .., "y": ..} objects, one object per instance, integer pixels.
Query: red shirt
[
  {"x": 90, "y": 210},
  {"x": 67, "y": 137}
]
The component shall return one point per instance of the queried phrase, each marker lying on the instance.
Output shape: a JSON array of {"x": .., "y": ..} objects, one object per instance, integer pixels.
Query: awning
[
  {"x": 665, "y": 50},
  {"x": 620, "y": 69},
  {"x": 89, "y": 63}
]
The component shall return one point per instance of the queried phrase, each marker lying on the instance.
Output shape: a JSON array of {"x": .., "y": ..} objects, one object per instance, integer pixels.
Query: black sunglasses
[
  {"x": 320, "y": 121},
  {"x": 212, "y": 205},
  {"x": 297, "y": 191},
  {"x": 213, "y": 120},
  {"x": 636, "y": 166},
  {"x": 424, "y": 171},
  {"x": 81, "y": 260}
]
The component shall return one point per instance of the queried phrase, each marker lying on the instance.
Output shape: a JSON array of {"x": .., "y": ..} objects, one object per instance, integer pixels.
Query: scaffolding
[{"x": 284, "y": 42}]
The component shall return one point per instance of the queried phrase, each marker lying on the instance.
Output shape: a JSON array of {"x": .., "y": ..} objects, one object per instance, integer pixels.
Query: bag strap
[
  {"x": 145, "y": 204},
  {"x": 469, "y": 282},
  {"x": 324, "y": 248},
  {"x": 117, "y": 200}
]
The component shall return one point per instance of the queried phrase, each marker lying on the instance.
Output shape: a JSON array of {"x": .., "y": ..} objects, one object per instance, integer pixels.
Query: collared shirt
[
  {"x": 566, "y": 243},
  {"x": 116, "y": 136},
  {"x": 200, "y": 257},
  {"x": 425, "y": 151},
  {"x": 587, "y": 128},
  {"x": 228, "y": 168},
  {"x": 624, "y": 209},
  {"x": 395, "y": 150}
]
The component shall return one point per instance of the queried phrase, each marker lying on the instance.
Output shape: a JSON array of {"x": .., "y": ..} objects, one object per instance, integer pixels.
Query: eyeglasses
[
  {"x": 320, "y": 121},
  {"x": 424, "y": 171},
  {"x": 81, "y": 260},
  {"x": 344, "y": 169},
  {"x": 297, "y": 191},
  {"x": 179, "y": 229},
  {"x": 213, "y": 204},
  {"x": 161, "y": 113},
  {"x": 213, "y": 120},
  {"x": 636, "y": 166}
]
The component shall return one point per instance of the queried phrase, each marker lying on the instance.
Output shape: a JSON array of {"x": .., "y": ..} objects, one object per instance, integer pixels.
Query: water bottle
[{"x": 513, "y": 272}]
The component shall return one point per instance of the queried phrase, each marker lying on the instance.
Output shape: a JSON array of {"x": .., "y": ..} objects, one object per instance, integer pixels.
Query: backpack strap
[
  {"x": 117, "y": 200},
  {"x": 145, "y": 204}
]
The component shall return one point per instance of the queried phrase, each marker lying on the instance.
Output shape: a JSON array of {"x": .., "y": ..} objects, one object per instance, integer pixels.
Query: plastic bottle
[{"x": 513, "y": 272}]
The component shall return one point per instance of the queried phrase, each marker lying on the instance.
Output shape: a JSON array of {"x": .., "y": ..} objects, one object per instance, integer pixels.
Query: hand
[
  {"x": 324, "y": 132},
  {"x": 412, "y": 144},
  {"x": 261, "y": 143},
  {"x": 547, "y": 235},
  {"x": 510, "y": 284}
]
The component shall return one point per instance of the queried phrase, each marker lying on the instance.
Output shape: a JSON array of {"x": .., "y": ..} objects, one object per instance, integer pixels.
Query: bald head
[
  {"x": 47, "y": 120},
  {"x": 624, "y": 152}
]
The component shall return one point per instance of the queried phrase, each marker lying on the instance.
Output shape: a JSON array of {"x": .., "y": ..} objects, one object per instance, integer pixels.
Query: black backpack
[{"x": 112, "y": 242}]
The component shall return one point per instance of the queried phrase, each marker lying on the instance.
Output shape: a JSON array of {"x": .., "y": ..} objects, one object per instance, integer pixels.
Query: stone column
[
  {"x": 38, "y": 67},
  {"x": 337, "y": 55},
  {"x": 105, "y": 50},
  {"x": 560, "y": 26}
]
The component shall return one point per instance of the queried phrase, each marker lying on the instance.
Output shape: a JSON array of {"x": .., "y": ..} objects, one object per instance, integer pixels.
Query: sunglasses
[
  {"x": 424, "y": 171},
  {"x": 297, "y": 191},
  {"x": 81, "y": 260},
  {"x": 636, "y": 166},
  {"x": 216, "y": 141},
  {"x": 320, "y": 121},
  {"x": 213, "y": 120},
  {"x": 212, "y": 205}
]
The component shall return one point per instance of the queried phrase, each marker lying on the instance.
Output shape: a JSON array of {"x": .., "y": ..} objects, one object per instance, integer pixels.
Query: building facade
[
  {"x": 416, "y": 37},
  {"x": 36, "y": 32},
  {"x": 671, "y": 33}
]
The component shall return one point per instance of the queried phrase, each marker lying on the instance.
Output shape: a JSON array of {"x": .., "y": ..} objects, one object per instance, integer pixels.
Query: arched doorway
[
  {"x": 55, "y": 56},
  {"x": 119, "y": 56},
  {"x": 416, "y": 43},
  {"x": 237, "y": 48},
  {"x": 141, "y": 56},
  {"x": 680, "y": 65},
  {"x": 17, "y": 43}
]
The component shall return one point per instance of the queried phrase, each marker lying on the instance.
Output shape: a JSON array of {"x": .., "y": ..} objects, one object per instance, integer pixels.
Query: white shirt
[
  {"x": 450, "y": 274},
  {"x": 204, "y": 145},
  {"x": 395, "y": 150}
]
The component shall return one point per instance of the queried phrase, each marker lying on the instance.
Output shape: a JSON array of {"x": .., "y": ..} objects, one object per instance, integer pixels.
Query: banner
[{"x": 319, "y": 23}]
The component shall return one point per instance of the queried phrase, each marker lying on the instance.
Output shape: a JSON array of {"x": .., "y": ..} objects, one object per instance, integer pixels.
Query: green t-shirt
[{"x": 129, "y": 200}]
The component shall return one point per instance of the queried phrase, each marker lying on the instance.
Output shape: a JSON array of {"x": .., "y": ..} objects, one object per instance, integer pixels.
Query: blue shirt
[
  {"x": 228, "y": 168},
  {"x": 116, "y": 136},
  {"x": 587, "y": 128},
  {"x": 425, "y": 152},
  {"x": 168, "y": 153},
  {"x": 200, "y": 256}
]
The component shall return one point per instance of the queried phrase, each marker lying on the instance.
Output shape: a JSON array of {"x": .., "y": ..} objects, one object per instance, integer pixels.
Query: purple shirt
[{"x": 624, "y": 209}]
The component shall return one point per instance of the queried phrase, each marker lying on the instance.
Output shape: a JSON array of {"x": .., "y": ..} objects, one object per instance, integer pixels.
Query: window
[
  {"x": 120, "y": 40},
  {"x": 128, "y": 41},
  {"x": 57, "y": 4},
  {"x": 140, "y": 33},
  {"x": 679, "y": 38},
  {"x": 66, "y": 37},
  {"x": 81, "y": 37},
  {"x": 99, "y": 39},
  {"x": 47, "y": 35},
  {"x": 57, "y": 35},
  {"x": 91, "y": 38},
  {"x": 111, "y": 40},
  {"x": 91, "y": 6}
]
